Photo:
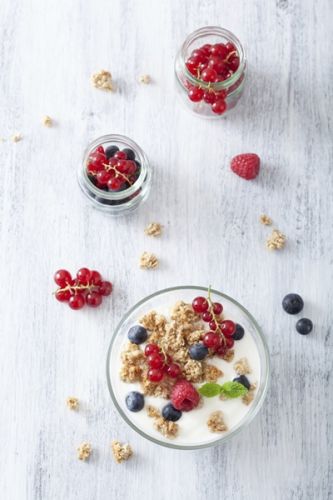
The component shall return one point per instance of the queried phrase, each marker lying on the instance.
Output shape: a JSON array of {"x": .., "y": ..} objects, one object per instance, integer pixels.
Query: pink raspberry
[{"x": 184, "y": 396}]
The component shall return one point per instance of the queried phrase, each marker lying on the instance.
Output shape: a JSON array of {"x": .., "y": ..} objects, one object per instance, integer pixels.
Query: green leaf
[
  {"x": 210, "y": 390},
  {"x": 233, "y": 389}
]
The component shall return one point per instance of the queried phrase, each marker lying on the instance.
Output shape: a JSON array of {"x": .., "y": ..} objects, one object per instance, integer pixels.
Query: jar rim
[
  {"x": 126, "y": 142},
  {"x": 218, "y": 31}
]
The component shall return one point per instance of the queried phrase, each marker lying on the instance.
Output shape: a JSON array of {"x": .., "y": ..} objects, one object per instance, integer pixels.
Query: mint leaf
[
  {"x": 232, "y": 389},
  {"x": 210, "y": 390}
]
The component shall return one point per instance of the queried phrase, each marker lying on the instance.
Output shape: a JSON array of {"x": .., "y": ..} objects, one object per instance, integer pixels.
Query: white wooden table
[{"x": 48, "y": 50}]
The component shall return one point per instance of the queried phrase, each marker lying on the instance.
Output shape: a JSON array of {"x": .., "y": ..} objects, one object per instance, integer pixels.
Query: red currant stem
[
  {"x": 229, "y": 55},
  {"x": 108, "y": 167},
  {"x": 76, "y": 288},
  {"x": 211, "y": 310}
]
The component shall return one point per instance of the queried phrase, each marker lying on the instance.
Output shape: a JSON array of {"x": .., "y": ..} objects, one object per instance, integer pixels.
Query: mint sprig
[{"x": 229, "y": 390}]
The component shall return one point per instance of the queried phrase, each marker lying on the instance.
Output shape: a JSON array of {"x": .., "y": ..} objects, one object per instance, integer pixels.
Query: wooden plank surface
[{"x": 48, "y": 50}]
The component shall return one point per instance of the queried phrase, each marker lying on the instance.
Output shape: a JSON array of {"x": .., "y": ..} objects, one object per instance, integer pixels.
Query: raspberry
[
  {"x": 184, "y": 396},
  {"x": 246, "y": 165}
]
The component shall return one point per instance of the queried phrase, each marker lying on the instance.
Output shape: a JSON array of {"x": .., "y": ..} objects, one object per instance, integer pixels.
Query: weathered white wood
[{"x": 48, "y": 50}]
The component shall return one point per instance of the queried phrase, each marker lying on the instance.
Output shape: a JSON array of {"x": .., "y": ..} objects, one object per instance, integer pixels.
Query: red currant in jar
[
  {"x": 173, "y": 370},
  {"x": 93, "y": 299},
  {"x": 120, "y": 155},
  {"x": 76, "y": 301},
  {"x": 103, "y": 177},
  {"x": 155, "y": 375},
  {"x": 219, "y": 50},
  {"x": 192, "y": 65},
  {"x": 209, "y": 97},
  {"x": 219, "y": 107},
  {"x": 200, "y": 305},
  {"x": 195, "y": 94},
  {"x": 151, "y": 349},
  {"x": 228, "y": 328},
  {"x": 115, "y": 184},
  {"x": 212, "y": 340},
  {"x": 217, "y": 308},
  {"x": 208, "y": 75}
]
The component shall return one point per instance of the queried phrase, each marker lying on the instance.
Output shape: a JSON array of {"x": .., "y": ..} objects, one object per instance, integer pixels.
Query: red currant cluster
[
  {"x": 160, "y": 364},
  {"x": 219, "y": 337},
  {"x": 87, "y": 288},
  {"x": 212, "y": 64},
  {"x": 111, "y": 169}
]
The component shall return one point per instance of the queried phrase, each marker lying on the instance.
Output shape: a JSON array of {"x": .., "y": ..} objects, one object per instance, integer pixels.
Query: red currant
[
  {"x": 83, "y": 276},
  {"x": 233, "y": 63},
  {"x": 103, "y": 177},
  {"x": 217, "y": 64},
  {"x": 93, "y": 299},
  {"x": 206, "y": 49},
  {"x": 122, "y": 166},
  {"x": 105, "y": 288},
  {"x": 230, "y": 47},
  {"x": 195, "y": 94},
  {"x": 219, "y": 107},
  {"x": 95, "y": 278},
  {"x": 212, "y": 325},
  {"x": 208, "y": 75},
  {"x": 63, "y": 295},
  {"x": 228, "y": 328},
  {"x": 229, "y": 342},
  {"x": 192, "y": 65},
  {"x": 212, "y": 340},
  {"x": 62, "y": 277},
  {"x": 100, "y": 149},
  {"x": 209, "y": 97},
  {"x": 93, "y": 168},
  {"x": 199, "y": 55},
  {"x": 115, "y": 184},
  {"x": 220, "y": 50},
  {"x": 207, "y": 316},
  {"x": 151, "y": 349},
  {"x": 173, "y": 370},
  {"x": 155, "y": 360},
  {"x": 131, "y": 167},
  {"x": 120, "y": 155},
  {"x": 155, "y": 375},
  {"x": 76, "y": 301},
  {"x": 221, "y": 351},
  {"x": 200, "y": 305},
  {"x": 217, "y": 308}
]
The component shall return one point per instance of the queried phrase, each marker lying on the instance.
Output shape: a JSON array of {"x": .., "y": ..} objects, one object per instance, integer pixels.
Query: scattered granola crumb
[
  {"x": 276, "y": 241},
  {"x": 144, "y": 79},
  {"x": 72, "y": 403},
  {"x": 47, "y": 121},
  {"x": 153, "y": 229},
  {"x": 265, "y": 220},
  {"x": 166, "y": 427},
  {"x": 216, "y": 422},
  {"x": 242, "y": 366},
  {"x": 103, "y": 80},
  {"x": 16, "y": 137},
  {"x": 148, "y": 261},
  {"x": 229, "y": 355},
  {"x": 249, "y": 396},
  {"x": 153, "y": 412},
  {"x": 121, "y": 452},
  {"x": 211, "y": 373},
  {"x": 84, "y": 451}
]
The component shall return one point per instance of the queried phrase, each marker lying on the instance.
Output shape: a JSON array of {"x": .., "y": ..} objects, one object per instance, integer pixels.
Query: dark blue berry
[
  {"x": 129, "y": 153},
  {"x": 137, "y": 334},
  {"x": 135, "y": 401},
  {"x": 243, "y": 380},
  {"x": 239, "y": 333},
  {"x": 304, "y": 326},
  {"x": 293, "y": 303},
  {"x": 170, "y": 413},
  {"x": 198, "y": 351},
  {"x": 110, "y": 151}
]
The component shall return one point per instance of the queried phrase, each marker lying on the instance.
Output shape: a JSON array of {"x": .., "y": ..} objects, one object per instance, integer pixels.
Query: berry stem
[
  {"x": 211, "y": 310},
  {"x": 77, "y": 288}
]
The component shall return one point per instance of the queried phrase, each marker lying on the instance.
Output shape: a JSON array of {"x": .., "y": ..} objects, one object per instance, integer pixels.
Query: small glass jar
[
  {"x": 130, "y": 195},
  {"x": 228, "y": 90}
]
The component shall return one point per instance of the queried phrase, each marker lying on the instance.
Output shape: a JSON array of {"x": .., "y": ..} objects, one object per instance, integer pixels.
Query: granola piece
[
  {"x": 133, "y": 363},
  {"x": 153, "y": 412},
  {"x": 148, "y": 261},
  {"x": 155, "y": 323},
  {"x": 72, "y": 403},
  {"x": 265, "y": 220},
  {"x": 249, "y": 396},
  {"x": 121, "y": 452},
  {"x": 242, "y": 366},
  {"x": 183, "y": 314},
  {"x": 193, "y": 370},
  {"x": 172, "y": 340},
  {"x": 229, "y": 355},
  {"x": 84, "y": 451},
  {"x": 193, "y": 336},
  {"x": 211, "y": 373},
  {"x": 47, "y": 121},
  {"x": 166, "y": 427},
  {"x": 216, "y": 422},
  {"x": 103, "y": 80},
  {"x": 181, "y": 356},
  {"x": 144, "y": 79},
  {"x": 153, "y": 229},
  {"x": 162, "y": 389},
  {"x": 276, "y": 241},
  {"x": 16, "y": 137}
]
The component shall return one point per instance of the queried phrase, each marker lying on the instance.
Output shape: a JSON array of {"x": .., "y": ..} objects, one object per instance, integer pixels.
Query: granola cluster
[
  {"x": 276, "y": 240},
  {"x": 84, "y": 451},
  {"x": 166, "y": 427},
  {"x": 47, "y": 121},
  {"x": 72, "y": 403},
  {"x": 103, "y": 80},
  {"x": 121, "y": 452},
  {"x": 153, "y": 229},
  {"x": 242, "y": 366},
  {"x": 265, "y": 220},
  {"x": 216, "y": 422},
  {"x": 144, "y": 79},
  {"x": 148, "y": 261}
]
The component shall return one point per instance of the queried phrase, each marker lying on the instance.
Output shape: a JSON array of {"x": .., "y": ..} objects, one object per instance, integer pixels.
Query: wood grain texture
[{"x": 48, "y": 50}]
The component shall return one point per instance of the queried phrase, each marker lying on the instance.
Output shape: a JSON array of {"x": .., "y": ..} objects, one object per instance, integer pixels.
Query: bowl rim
[{"x": 251, "y": 414}]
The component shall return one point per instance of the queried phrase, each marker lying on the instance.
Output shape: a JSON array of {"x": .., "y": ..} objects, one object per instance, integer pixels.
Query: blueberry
[
  {"x": 239, "y": 333},
  {"x": 198, "y": 351},
  {"x": 137, "y": 334},
  {"x": 292, "y": 303},
  {"x": 304, "y": 326},
  {"x": 110, "y": 151},
  {"x": 129, "y": 153},
  {"x": 243, "y": 380},
  {"x": 135, "y": 401},
  {"x": 170, "y": 413}
]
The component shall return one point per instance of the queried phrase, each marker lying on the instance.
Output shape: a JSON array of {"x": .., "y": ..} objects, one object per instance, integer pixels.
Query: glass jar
[
  {"x": 224, "y": 91},
  {"x": 135, "y": 185}
]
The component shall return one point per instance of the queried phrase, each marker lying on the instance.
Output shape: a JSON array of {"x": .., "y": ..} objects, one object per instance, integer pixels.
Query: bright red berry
[
  {"x": 220, "y": 50},
  {"x": 207, "y": 316},
  {"x": 228, "y": 328},
  {"x": 151, "y": 349},
  {"x": 212, "y": 325},
  {"x": 155, "y": 360},
  {"x": 62, "y": 277},
  {"x": 195, "y": 94},
  {"x": 200, "y": 305},
  {"x": 233, "y": 63},
  {"x": 246, "y": 165},
  {"x": 219, "y": 107},
  {"x": 115, "y": 184},
  {"x": 212, "y": 340},
  {"x": 209, "y": 97},
  {"x": 76, "y": 301},
  {"x": 229, "y": 342},
  {"x": 120, "y": 155},
  {"x": 93, "y": 299},
  {"x": 230, "y": 47},
  {"x": 173, "y": 370},
  {"x": 63, "y": 295},
  {"x": 208, "y": 75},
  {"x": 155, "y": 375},
  {"x": 206, "y": 49},
  {"x": 218, "y": 64},
  {"x": 221, "y": 351},
  {"x": 103, "y": 177},
  {"x": 192, "y": 65},
  {"x": 95, "y": 278},
  {"x": 217, "y": 308},
  {"x": 184, "y": 396},
  {"x": 83, "y": 276},
  {"x": 105, "y": 288}
]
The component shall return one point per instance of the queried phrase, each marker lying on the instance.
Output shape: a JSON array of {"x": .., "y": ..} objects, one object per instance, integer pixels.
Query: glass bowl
[{"x": 167, "y": 298}]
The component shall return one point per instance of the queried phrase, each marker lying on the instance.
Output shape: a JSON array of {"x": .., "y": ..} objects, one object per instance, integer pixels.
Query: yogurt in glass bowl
[{"x": 211, "y": 398}]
